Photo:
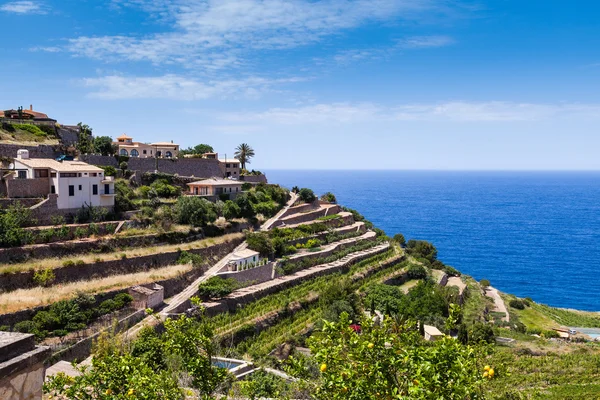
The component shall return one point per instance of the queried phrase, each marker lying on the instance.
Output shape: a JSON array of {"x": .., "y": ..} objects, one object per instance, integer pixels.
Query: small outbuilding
[
  {"x": 244, "y": 259},
  {"x": 432, "y": 333}
]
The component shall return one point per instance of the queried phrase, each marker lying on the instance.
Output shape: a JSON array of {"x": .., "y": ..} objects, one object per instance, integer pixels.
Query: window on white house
[{"x": 71, "y": 190}]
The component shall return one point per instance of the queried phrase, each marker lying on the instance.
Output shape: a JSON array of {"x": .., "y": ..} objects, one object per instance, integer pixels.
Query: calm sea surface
[{"x": 532, "y": 234}]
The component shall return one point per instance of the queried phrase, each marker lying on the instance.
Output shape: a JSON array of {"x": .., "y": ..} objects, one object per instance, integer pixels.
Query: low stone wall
[
  {"x": 6, "y": 203},
  {"x": 103, "y": 229},
  {"x": 322, "y": 236},
  {"x": 28, "y": 188},
  {"x": 82, "y": 349},
  {"x": 254, "y": 178},
  {"x": 256, "y": 275},
  {"x": 302, "y": 208},
  {"x": 311, "y": 215},
  {"x": 101, "y": 269},
  {"x": 327, "y": 253}
]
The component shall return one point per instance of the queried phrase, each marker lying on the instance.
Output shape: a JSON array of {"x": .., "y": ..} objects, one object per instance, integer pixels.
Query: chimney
[
  {"x": 31, "y": 107},
  {"x": 23, "y": 154}
]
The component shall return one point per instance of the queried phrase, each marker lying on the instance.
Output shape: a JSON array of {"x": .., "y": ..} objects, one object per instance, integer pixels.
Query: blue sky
[{"x": 329, "y": 84}]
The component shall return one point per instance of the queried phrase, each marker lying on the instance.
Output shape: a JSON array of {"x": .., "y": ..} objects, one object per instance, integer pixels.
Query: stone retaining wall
[
  {"x": 65, "y": 274},
  {"x": 311, "y": 215},
  {"x": 254, "y": 178},
  {"x": 322, "y": 236},
  {"x": 6, "y": 203},
  {"x": 197, "y": 167},
  {"x": 327, "y": 253},
  {"x": 302, "y": 208},
  {"x": 27, "y": 188},
  {"x": 40, "y": 151},
  {"x": 256, "y": 275},
  {"x": 232, "y": 303}
]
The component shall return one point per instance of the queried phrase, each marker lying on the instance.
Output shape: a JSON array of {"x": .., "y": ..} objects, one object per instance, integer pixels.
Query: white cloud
[
  {"x": 213, "y": 33},
  {"x": 416, "y": 42},
  {"x": 345, "y": 113},
  {"x": 176, "y": 87},
  {"x": 22, "y": 7}
]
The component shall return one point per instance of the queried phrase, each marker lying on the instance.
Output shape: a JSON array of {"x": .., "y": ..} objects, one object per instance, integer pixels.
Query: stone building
[
  {"x": 21, "y": 367},
  {"x": 230, "y": 167},
  {"x": 129, "y": 148}
]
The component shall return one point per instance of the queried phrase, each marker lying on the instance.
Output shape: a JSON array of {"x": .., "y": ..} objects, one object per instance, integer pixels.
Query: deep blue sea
[{"x": 533, "y": 234}]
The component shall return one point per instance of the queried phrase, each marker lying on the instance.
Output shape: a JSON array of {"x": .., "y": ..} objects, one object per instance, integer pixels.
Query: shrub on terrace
[
  {"x": 164, "y": 189},
  {"x": 109, "y": 170},
  {"x": 261, "y": 242},
  {"x": 422, "y": 249},
  {"x": 399, "y": 238},
  {"x": 12, "y": 221},
  {"x": 216, "y": 287},
  {"x": 517, "y": 304},
  {"x": 31, "y": 129},
  {"x": 329, "y": 197},
  {"x": 195, "y": 211},
  {"x": 484, "y": 283},
  {"x": 231, "y": 210},
  {"x": 124, "y": 196},
  {"x": 306, "y": 195},
  {"x": 481, "y": 333},
  {"x": 416, "y": 272}
]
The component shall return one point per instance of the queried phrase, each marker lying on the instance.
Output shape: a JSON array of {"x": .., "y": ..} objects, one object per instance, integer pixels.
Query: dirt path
[{"x": 499, "y": 305}]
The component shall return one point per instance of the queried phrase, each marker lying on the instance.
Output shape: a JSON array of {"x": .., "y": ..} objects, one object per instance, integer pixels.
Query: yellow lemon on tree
[
  {"x": 491, "y": 372},
  {"x": 323, "y": 367},
  {"x": 370, "y": 345},
  {"x": 485, "y": 374},
  {"x": 486, "y": 368}
]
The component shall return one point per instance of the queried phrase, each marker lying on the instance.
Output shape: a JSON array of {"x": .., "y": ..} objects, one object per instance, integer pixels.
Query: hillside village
[{"x": 202, "y": 280}]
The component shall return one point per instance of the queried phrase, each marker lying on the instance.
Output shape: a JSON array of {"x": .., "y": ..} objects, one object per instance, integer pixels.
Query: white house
[
  {"x": 75, "y": 182},
  {"x": 244, "y": 259}
]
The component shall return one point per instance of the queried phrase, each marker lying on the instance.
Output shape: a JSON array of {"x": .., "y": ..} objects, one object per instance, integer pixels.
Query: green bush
[
  {"x": 261, "y": 242},
  {"x": 12, "y": 221},
  {"x": 484, "y": 283},
  {"x": 416, "y": 272},
  {"x": 190, "y": 258},
  {"x": 109, "y": 170},
  {"x": 329, "y": 197},
  {"x": 481, "y": 332},
  {"x": 422, "y": 249},
  {"x": 306, "y": 195},
  {"x": 25, "y": 327},
  {"x": 399, "y": 238},
  {"x": 195, "y": 211},
  {"x": 44, "y": 277},
  {"x": 216, "y": 287},
  {"x": 517, "y": 304}
]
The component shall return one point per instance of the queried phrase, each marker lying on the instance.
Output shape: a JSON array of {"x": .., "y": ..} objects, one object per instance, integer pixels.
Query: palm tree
[{"x": 244, "y": 153}]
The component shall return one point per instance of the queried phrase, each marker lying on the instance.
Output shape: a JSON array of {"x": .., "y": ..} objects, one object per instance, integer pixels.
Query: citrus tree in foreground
[
  {"x": 393, "y": 362},
  {"x": 153, "y": 367}
]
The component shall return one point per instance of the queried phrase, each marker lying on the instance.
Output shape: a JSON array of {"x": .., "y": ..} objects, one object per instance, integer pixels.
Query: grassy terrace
[
  {"x": 307, "y": 292},
  {"x": 40, "y": 296},
  {"x": 117, "y": 254},
  {"x": 543, "y": 370}
]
